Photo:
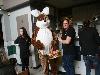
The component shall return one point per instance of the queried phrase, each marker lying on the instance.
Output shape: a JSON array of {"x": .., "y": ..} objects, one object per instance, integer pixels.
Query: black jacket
[
  {"x": 89, "y": 40},
  {"x": 7, "y": 69},
  {"x": 69, "y": 48},
  {"x": 24, "y": 44}
]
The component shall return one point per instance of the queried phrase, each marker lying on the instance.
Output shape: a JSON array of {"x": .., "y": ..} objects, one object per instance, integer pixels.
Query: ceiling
[{"x": 68, "y": 3}]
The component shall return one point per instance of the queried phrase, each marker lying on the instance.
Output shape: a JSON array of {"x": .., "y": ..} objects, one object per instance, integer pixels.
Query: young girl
[{"x": 24, "y": 42}]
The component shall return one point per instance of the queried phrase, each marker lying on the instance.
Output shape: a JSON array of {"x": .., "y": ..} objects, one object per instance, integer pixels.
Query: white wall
[
  {"x": 1, "y": 2},
  {"x": 5, "y": 25},
  {"x": 6, "y": 29},
  {"x": 7, "y": 37},
  {"x": 11, "y": 3},
  {"x": 13, "y": 22}
]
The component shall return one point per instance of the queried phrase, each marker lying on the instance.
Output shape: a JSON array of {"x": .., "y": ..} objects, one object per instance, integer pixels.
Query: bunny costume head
[{"x": 42, "y": 17}]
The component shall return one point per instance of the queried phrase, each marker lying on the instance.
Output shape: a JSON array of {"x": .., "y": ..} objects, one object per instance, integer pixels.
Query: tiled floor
[{"x": 33, "y": 71}]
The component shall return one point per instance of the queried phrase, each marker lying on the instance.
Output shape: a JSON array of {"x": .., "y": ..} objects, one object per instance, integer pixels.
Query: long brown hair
[
  {"x": 66, "y": 18},
  {"x": 25, "y": 34},
  {"x": 70, "y": 22},
  {"x": 3, "y": 57}
]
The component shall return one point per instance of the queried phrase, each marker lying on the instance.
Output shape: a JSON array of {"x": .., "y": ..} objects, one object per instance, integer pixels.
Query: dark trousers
[
  {"x": 68, "y": 64},
  {"x": 92, "y": 62},
  {"x": 25, "y": 64}
]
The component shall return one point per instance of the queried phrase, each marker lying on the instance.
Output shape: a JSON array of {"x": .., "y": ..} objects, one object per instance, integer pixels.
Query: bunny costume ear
[
  {"x": 46, "y": 11},
  {"x": 35, "y": 13}
]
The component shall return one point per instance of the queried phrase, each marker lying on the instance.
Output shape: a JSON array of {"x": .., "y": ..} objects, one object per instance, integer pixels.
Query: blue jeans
[
  {"x": 68, "y": 64},
  {"x": 97, "y": 69},
  {"x": 92, "y": 62}
]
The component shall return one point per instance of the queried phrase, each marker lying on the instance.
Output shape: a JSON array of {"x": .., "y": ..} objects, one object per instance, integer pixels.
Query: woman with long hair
[
  {"x": 24, "y": 42},
  {"x": 68, "y": 46}
]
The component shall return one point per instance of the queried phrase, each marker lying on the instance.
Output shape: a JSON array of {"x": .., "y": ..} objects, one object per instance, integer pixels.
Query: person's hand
[
  {"x": 41, "y": 51},
  {"x": 60, "y": 40}
]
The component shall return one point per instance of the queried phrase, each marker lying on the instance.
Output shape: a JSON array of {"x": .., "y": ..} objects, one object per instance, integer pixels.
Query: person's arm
[
  {"x": 16, "y": 41},
  {"x": 67, "y": 41},
  {"x": 70, "y": 35},
  {"x": 29, "y": 40},
  {"x": 97, "y": 37}
]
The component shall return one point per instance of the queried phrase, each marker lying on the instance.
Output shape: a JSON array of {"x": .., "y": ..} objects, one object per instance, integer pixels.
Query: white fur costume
[{"x": 44, "y": 34}]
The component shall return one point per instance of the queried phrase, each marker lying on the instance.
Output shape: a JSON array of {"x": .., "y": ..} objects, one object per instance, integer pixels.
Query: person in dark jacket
[
  {"x": 67, "y": 40},
  {"x": 89, "y": 40},
  {"x": 24, "y": 42}
]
